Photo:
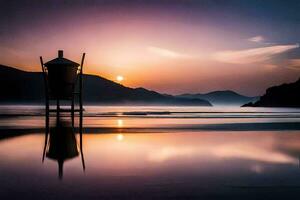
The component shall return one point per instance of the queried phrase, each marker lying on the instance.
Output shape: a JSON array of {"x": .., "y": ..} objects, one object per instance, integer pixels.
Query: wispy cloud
[
  {"x": 269, "y": 67},
  {"x": 257, "y": 39},
  {"x": 252, "y": 55},
  {"x": 293, "y": 64},
  {"x": 166, "y": 52}
]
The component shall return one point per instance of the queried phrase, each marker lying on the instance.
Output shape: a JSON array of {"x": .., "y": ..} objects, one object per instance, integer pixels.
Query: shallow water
[{"x": 153, "y": 155}]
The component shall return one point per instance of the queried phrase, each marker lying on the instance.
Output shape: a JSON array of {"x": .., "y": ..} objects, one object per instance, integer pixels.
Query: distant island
[
  {"x": 19, "y": 86},
  {"x": 226, "y": 97},
  {"x": 285, "y": 95}
]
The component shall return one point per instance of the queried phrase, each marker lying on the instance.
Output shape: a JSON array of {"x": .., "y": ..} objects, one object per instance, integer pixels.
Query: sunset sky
[{"x": 171, "y": 46}]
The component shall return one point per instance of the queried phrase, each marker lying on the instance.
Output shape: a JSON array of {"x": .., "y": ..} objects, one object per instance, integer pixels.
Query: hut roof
[{"x": 61, "y": 61}]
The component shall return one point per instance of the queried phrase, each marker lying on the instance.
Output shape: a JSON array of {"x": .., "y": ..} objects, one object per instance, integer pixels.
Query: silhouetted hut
[
  {"x": 62, "y": 74},
  {"x": 60, "y": 77}
]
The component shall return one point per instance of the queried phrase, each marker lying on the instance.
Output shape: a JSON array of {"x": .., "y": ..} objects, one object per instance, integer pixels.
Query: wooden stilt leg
[
  {"x": 81, "y": 147},
  {"x": 81, "y": 109},
  {"x": 47, "y": 114},
  {"x": 57, "y": 110},
  {"x": 72, "y": 111},
  {"x": 80, "y": 97},
  {"x": 80, "y": 125},
  {"x": 47, "y": 121}
]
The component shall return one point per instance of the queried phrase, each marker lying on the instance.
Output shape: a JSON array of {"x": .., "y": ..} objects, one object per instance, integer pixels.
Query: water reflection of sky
[
  {"x": 194, "y": 164},
  {"x": 154, "y": 154}
]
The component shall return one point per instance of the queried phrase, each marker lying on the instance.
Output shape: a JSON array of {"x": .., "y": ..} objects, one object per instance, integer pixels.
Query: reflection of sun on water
[
  {"x": 120, "y": 122},
  {"x": 120, "y": 137}
]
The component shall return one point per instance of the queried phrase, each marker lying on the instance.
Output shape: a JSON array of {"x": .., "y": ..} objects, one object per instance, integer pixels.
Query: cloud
[
  {"x": 256, "y": 39},
  {"x": 252, "y": 55},
  {"x": 269, "y": 67},
  {"x": 166, "y": 52},
  {"x": 293, "y": 64}
]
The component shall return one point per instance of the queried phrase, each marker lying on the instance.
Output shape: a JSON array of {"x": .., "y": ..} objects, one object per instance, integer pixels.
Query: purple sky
[{"x": 173, "y": 47}]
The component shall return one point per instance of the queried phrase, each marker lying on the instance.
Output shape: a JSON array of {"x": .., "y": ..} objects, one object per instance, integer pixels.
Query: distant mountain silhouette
[
  {"x": 226, "y": 97},
  {"x": 18, "y": 86},
  {"x": 285, "y": 95}
]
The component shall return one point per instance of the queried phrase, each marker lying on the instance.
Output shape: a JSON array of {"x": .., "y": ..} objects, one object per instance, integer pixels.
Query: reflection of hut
[{"x": 62, "y": 145}]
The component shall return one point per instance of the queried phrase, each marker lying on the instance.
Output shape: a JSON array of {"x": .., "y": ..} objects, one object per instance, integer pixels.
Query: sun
[{"x": 120, "y": 78}]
